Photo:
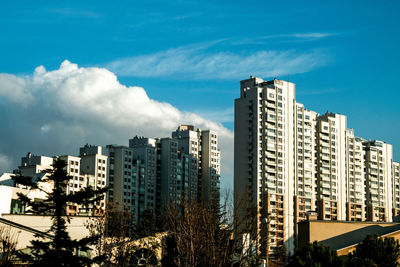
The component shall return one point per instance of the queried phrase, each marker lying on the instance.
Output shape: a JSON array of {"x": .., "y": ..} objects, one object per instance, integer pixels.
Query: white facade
[
  {"x": 355, "y": 178},
  {"x": 264, "y": 155},
  {"x": 210, "y": 167},
  {"x": 378, "y": 178},
  {"x": 396, "y": 191},
  {"x": 290, "y": 161}
]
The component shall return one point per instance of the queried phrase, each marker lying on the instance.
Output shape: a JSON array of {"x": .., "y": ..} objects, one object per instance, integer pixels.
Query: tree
[
  {"x": 60, "y": 250},
  {"x": 8, "y": 244},
  {"x": 280, "y": 256},
  {"x": 315, "y": 255},
  {"x": 122, "y": 242},
  {"x": 377, "y": 251},
  {"x": 203, "y": 235},
  {"x": 200, "y": 237}
]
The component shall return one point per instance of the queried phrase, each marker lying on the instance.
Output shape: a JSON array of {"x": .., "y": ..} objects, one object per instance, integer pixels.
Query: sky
[{"x": 97, "y": 72}]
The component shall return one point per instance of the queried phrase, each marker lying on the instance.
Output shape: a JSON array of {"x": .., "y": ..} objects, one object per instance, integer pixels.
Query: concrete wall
[{"x": 76, "y": 228}]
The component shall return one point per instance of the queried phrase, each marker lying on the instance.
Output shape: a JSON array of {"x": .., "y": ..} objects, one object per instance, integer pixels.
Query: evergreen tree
[
  {"x": 376, "y": 251},
  {"x": 60, "y": 250},
  {"x": 315, "y": 255}
]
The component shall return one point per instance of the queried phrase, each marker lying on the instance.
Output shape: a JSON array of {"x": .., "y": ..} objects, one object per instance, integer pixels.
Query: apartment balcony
[
  {"x": 270, "y": 126},
  {"x": 308, "y": 155},
  {"x": 271, "y": 147},
  {"x": 325, "y": 157},
  {"x": 323, "y": 171},
  {"x": 271, "y": 105},
  {"x": 271, "y": 118},
  {"x": 324, "y": 136}
]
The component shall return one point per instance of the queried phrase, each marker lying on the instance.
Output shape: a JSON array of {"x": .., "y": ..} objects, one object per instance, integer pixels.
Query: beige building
[{"x": 343, "y": 236}]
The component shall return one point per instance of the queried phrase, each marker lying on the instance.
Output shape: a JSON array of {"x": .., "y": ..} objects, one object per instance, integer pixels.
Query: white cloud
[
  {"x": 194, "y": 62},
  {"x": 5, "y": 164},
  {"x": 14, "y": 89},
  {"x": 285, "y": 37},
  {"x": 309, "y": 35},
  {"x": 68, "y": 107},
  {"x": 73, "y": 12}
]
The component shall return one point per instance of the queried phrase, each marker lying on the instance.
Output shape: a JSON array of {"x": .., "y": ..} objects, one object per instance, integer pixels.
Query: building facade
[{"x": 290, "y": 161}]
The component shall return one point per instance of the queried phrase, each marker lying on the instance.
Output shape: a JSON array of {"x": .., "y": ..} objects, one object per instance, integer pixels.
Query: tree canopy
[
  {"x": 376, "y": 251},
  {"x": 315, "y": 255}
]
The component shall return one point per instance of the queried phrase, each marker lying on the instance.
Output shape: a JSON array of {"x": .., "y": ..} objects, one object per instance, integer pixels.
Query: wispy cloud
[
  {"x": 161, "y": 18},
  {"x": 287, "y": 37},
  {"x": 73, "y": 12},
  {"x": 198, "y": 62},
  {"x": 310, "y": 35}
]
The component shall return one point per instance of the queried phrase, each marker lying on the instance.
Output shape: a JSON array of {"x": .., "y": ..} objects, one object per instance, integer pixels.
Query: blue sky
[{"x": 186, "y": 59}]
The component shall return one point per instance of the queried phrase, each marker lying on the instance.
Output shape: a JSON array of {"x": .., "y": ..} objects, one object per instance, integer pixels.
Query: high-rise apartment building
[
  {"x": 149, "y": 175},
  {"x": 204, "y": 156},
  {"x": 94, "y": 170},
  {"x": 172, "y": 184},
  {"x": 378, "y": 180},
  {"x": 355, "y": 176},
  {"x": 152, "y": 174},
  {"x": 264, "y": 156},
  {"x": 396, "y": 191},
  {"x": 330, "y": 166},
  {"x": 121, "y": 182},
  {"x": 144, "y": 154},
  {"x": 89, "y": 169},
  {"x": 290, "y": 161},
  {"x": 189, "y": 144},
  {"x": 209, "y": 181},
  {"x": 304, "y": 156}
]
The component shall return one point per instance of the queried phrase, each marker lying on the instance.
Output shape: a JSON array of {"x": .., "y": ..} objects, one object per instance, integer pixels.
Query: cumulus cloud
[
  {"x": 5, "y": 163},
  {"x": 195, "y": 62},
  {"x": 63, "y": 109},
  {"x": 14, "y": 89}
]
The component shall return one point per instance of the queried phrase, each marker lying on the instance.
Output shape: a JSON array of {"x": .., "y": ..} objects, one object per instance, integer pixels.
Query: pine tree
[{"x": 60, "y": 250}]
